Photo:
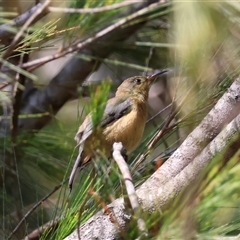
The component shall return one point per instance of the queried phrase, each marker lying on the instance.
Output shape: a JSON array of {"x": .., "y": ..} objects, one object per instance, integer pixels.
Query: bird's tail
[{"x": 77, "y": 164}]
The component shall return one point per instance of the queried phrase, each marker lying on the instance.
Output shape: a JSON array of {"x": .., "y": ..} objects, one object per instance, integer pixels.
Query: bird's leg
[{"x": 124, "y": 154}]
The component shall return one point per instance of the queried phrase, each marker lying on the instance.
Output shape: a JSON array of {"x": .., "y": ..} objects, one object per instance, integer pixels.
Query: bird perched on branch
[{"x": 123, "y": 121}]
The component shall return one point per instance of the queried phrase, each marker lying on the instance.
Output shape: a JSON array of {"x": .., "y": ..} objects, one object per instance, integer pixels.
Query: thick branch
[
  {"x": 156, "y": 193},
  {"x": 226, "y": 109},
  {"x": 157, "y": 196},
  {"x": 100, "y": 225}
]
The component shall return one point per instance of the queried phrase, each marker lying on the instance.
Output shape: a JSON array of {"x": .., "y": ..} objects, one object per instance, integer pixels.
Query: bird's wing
[
  {"x": 115, "y": 109},
  {"x": 85, "y": 130}
]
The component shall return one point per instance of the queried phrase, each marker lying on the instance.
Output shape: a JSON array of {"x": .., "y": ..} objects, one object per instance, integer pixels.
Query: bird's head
[{"x": 137, "y": 86}]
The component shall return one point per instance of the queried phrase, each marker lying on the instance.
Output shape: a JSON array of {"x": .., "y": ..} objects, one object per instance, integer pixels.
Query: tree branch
[
  {"x": 90, "y": 10},
  {"x": 9, "y": 29},
  {"x": 34, "y": 208},
  {"x": 157, "y": 196},
  {"x": 131, "y": 193},
  {"x": 154, "y": 194},
  {"x": 134, "y": 19},
  {"x": 18, "y": 36},
  {"x": 226, "y": 109}
]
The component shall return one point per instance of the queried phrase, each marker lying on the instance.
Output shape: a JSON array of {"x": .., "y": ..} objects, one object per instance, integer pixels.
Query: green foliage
[
  {"x": 38, "y": 36},
  {"x": 221, "y": 198},
  {"x": 89, "y": 23},
  {"x": 75, "y": 208},
  {"x": 99, "y": 97}
]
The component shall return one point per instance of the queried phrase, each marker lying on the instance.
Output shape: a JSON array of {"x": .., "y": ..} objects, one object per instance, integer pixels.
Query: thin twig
[
  {"x": 90, "y": 10},
  {"x": 148, "y": 61},
  {"x": 162, "y": 130},
  {"x": 47, "y": 227},
  {"x": 39, "y": 62},
  {"x": 117, "y": 148},
  {"x": 35, "y": 207},
  {"x": 166, "y": 128},
  {"x": 18, "y": 36},
  {"x": 17, "y": 96},
  {"x": 3, "y": 85},
  {"x": 159, "y": 112}
]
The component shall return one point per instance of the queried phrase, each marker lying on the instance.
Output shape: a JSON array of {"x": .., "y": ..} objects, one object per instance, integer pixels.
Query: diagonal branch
[
  {"x": 8, "y": 30},
  {"x": 226, "y": 109},
  {"x": 163, "y": 194},
  {"x": 18, "y": 36},
  {"x": 34, "y": 208},
  {"x": 135, "y": 18},
  {"x": 155, "y": 193}
]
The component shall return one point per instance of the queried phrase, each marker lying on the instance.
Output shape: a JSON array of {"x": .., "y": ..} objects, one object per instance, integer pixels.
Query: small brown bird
[{"x": 123, "y": 121}]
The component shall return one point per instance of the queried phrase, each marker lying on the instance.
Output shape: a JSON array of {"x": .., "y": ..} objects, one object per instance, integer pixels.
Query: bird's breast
[{"x": 128, "y": 129}]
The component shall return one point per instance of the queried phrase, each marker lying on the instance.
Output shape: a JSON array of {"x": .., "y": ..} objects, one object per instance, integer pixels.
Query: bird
[{"x": 123, "y": 121}]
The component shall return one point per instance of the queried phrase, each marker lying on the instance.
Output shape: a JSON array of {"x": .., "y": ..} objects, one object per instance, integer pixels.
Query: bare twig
[
  {"x": 17, "y": 94},
  {"x": 117, "y": 148},
  {"x": 5, "y": 84},
  {"x": 148, "y": 61},
  {"x": 36, "y": 206},
  {"x": 37, "y": 233},
  {"x": 222, "y": 237},
  {"x": 162, "y": 131},
  {"x": 144, "y": 155},
  {"x": 90, "y": 10},
  {"x": 165, "y": 129},
  {"x": 19, "y": 34},
  {"x": 159, "y": 112}
]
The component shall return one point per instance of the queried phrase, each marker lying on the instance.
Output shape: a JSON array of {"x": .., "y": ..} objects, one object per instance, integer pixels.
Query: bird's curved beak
[{"x": 153, "y": 76}]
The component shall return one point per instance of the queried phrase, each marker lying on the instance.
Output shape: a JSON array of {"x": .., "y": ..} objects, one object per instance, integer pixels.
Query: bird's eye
[{"x": 138, "y": 81}]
